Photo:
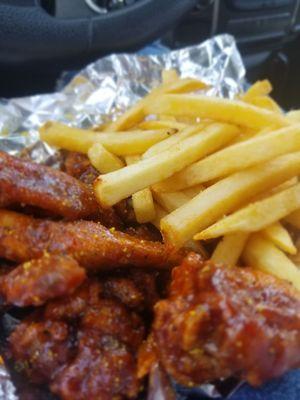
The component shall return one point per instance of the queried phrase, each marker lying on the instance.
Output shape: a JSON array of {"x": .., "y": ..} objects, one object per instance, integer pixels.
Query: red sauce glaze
[
  {"x": 219, "y": 322},
  {"x": 24, "y": 182},
  {"x": 37, "y": 281}
]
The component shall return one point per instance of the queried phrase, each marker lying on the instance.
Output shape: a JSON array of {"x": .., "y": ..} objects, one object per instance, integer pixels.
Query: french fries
[
  {"x": 230, "y": 248},
  {"x": 259, "y": 88},
  {"x": 236, "y": 157},
  {"x": 262, "y": 254},
  {"x": 265, "y": 102},
  {"x": 226, "y": 196},
  {"x": 280, "y": 237},
  {"x": 224, "y": 110},
  {"x": 118, "y": 185},
  {"x": 162, "y": 124},
  {"x": 137, "y": 113},
  {"x": 103, "y": 160},
  {"x": 142, "y": 201},
  {"x": 201, "y": 167},
  {"x": 170, "y": 201},
  {"x": 173, "y": 140},
  {"x": 256, "y": 216},
  {"x": 120, "y": 144}
]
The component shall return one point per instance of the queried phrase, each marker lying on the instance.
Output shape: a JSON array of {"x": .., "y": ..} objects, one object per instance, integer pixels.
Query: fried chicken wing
[
  {"x": 83, "y": 346},
  {"x": 41, "y": 348},
  {"x": 24, "y": 182},
  {"x": 79, "y": 166},
  {"x": 104, "y": 369},
  {"x": 95, "y": 247},
  {"x": 37, "y": 281},
  {"x": 220, "y": 322}
]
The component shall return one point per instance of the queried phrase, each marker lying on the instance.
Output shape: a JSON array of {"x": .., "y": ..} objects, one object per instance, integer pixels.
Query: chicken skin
[{"x": 220, "y": 322}]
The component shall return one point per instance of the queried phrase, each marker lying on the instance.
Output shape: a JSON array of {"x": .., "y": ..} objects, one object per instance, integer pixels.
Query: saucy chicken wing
[
  {"x": 37, "y": 281},
  {"x": 24, "y": 182},
  {"x": 220, "y": 322},
  {"x": 95, "y": 247}
]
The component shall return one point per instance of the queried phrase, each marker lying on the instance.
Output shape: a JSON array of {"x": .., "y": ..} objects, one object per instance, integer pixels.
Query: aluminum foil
[
  {"x": 106, "y": 88},
  {"x": 101, "y": 92}
]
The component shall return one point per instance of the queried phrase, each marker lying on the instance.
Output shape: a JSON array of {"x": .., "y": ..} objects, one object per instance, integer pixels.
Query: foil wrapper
[{"x": 101, "y": 92}]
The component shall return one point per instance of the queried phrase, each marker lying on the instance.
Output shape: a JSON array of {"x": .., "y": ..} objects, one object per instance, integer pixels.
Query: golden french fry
[
  {"x": 230, "y": 248},
  {"x": 159, "y": 214},
  {"x": 294, "y": 219},
  {"x": 142, "y": 201},
  {"x": 118, "y": 185},
  {"x": 280, "y": 237},
  {"x": 259, "y": 88},
  {"x": 236, "y": 157},
  {"x": 143, "y": 206},
  {"x": 262, "y": 254},
  {"x": 74, "y": 139},
  {"x": 103, "y": 160},
  {"x": 193, "y": 191},
  {"x": 169, "y": 76},
  {"x": 173, "y": 140},
  {"x": 170, "y": 201},
  {"x": 224, "y": 110},
  {"x": 137, "y": 113},
  {"x": 293, "y": 116},
  {"x": 162, "y": 124},
  {"x": 226, "y": 196},
  {"x": 256, "y": 216},
  {"x": 265, "y": 102}
]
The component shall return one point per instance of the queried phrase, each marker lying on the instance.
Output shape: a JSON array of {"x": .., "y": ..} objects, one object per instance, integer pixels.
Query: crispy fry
[
  {"x": 118, "y": 185},
  {"x": 93, "y": 246},
  {"x": 226, "y": 196},
  {"x": 259, "y": 88},
  {"x": 142, "y": 201},
  {"x": 262, "y": 254},
  {"x": 280, "y": 237},
  {"x": 293, "y": 116},
  {"x": 230, "y": 248},
  {"x": 159, "y": 214},
  {"x": 256, "y": 216},
  {"x": 224, "y": 110},
  {"x": 193, "y": 191},
  {"x": 162, "y": 124},
  {"x": 265, "y": 102},
  {"x": 236, "y": 157},
  {"x": 80, "y": 140},
  {"x": 173, "y": 140},
  {"x": 103, "y": 160},
  {"x": 137, "y": 113},
  {"x": 171, "y": 201},
  {"x": 294, "y": 219}
]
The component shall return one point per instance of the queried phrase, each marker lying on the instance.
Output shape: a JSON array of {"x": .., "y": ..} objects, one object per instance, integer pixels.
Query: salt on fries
[{"x": 202, "y": 167}]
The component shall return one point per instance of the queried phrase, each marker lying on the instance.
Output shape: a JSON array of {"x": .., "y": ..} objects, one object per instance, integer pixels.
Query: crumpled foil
[{"x": 101, "y": 92}]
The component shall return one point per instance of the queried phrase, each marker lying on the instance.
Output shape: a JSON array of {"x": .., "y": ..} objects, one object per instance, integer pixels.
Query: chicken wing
[
  {"x": 37, "y": 281},
  {"x": 220, "y": 322},
  {"x": 24, "y": 182},
  {"x": 83, "y": 346},
  {"x": 23, "y": 238}
]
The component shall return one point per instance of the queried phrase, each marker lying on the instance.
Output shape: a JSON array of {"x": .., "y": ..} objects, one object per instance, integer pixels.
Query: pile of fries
[{"x": 201, "y": 168}]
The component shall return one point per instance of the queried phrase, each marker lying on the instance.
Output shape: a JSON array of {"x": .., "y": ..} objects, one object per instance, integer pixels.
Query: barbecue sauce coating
[
  {"x": 25, "y": 182},
  {"x": 37, "y": 281},
  {"x": 84, "y": 346},
  {"x": 220, "y": 322},
  {"x": 23, "y": 238}
]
